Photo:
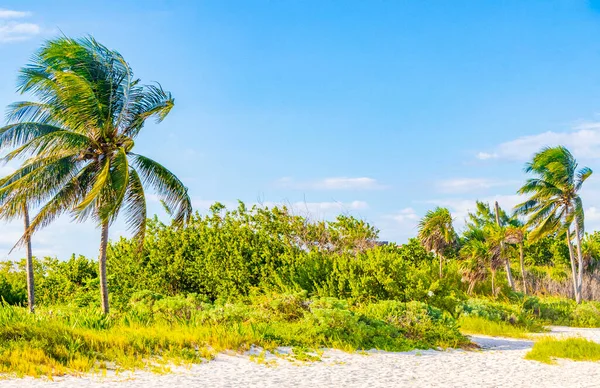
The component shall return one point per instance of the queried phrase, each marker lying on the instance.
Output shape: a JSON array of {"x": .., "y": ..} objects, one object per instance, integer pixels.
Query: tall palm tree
[
  {"x": 436, "y": 232},
  {"x": 19, "y": 209},
  {"x": 554, "y": 204},
  {"x": 494, "y": 239},
  {"x": 78, "y": 140},
  {"x": 515, "y": 234}
]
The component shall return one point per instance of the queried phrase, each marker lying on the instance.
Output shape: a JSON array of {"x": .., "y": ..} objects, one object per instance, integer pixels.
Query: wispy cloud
[
  {"x": 465, "y": 185},
  {"x": 583, "y": 140},
  {"x": 334, "y": 183},
  {"x": 15, "y": 31},
  {"x": 10, "y": 14},
  {"x": 406, "y": 215}
]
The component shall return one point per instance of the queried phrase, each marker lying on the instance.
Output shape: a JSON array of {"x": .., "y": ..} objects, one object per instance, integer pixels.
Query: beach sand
[{"x": 499, "y": 363}]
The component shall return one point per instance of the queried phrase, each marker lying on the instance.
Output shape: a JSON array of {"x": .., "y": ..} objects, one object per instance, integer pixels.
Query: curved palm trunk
[
  {"x": 29, "y": 263},
  {"x": 102, "y": 267},
  {"x": 573, "y": 268},
  {"x": 522, "y": 263},
  {"x": 579, "y": 263},
  {"x": 441, "y": 263},
  {"x": 494, "y": 284},
  {"x": 509, "y": 277}
]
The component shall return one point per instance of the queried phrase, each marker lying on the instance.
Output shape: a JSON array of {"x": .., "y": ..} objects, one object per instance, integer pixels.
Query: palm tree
[
  {"x": 515, "y": 234},
  {"x": 19, "y": 209},
  {"x": 591, "y": 251},
  {"x": 78, "y": 141},
  {"x": 554, "y": 204},
  {"x": 475, "y": 254},
  {"x": 482, "y": 219},
  {"x": 494, "y": 239},
  {"x": 436, "y": 232}
]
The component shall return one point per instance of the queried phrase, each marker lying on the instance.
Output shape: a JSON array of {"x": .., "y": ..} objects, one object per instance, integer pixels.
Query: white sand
[{"x": 499, "y": 363}]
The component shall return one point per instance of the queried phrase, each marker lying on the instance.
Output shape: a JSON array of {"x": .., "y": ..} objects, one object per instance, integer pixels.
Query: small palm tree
[
  {"x": 515, "y": 234},
  {"x": 475, "y": 253},
  {"x": 482, "y": 218},
  {"x": 591, "y": 251},
  {"x": 436, "y": 233},
  {"x": 78, "y": 141},
  {"x": 494, "y": 239},
  {"x": 554, "y": 204}
]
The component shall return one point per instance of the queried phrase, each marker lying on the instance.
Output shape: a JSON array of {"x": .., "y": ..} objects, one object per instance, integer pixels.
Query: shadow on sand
[{"x": 495, "y": 343}]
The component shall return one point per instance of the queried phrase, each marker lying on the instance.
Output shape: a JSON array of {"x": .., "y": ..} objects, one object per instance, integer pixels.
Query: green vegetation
[
  {"x": 156, "y": 331},
  {"x": 478, "y": 325},
  {"x": 233, "y": 278},
  {"x": 578, "y": 349}
]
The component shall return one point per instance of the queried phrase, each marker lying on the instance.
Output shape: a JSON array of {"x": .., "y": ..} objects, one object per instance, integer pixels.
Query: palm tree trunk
[
  {"x": 441, "y": 262},
  {"x": 102, "y": 267},
  {"x": 579, "y": 262},
  {"x": 522, "y": 262},
  {"x": 494, "y": 284},
  {"x": 29, "y": 262},
  {"x": 573, "y": 269},
  {"x": 509, "y": 277}
]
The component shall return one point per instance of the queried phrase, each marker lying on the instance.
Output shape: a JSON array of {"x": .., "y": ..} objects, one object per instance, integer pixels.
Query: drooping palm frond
[{"x": 167, "y": 185}]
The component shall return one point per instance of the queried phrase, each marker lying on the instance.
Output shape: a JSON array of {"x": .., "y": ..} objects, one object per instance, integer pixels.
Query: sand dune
[{"x": 499, "y": 363}]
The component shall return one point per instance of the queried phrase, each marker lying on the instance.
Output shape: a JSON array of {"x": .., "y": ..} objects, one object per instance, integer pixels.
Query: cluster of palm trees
[
  {"x": 75, "y": 144},
  {"x": 492, "y": 236}
]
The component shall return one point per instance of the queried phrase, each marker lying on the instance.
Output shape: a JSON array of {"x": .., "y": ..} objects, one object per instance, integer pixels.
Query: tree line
[{"x": 552, "y": 208}]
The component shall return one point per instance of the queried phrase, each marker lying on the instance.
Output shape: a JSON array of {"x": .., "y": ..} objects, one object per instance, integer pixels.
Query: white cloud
[
  {"x": 461, "y": 185},
  {"x": 10, "y": 14},
  {"x": 13, "y": 31},
  {"x": 405, "y": 215},
  {"x": 486, "y": 156},
  {"x": 399, "y": 226},
  {"x": 334, "y": 183},
  {"x": 583, "y": 140}
]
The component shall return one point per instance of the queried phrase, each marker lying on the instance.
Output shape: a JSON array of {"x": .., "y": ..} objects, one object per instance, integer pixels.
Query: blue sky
[{"x": 379, "y": 109}]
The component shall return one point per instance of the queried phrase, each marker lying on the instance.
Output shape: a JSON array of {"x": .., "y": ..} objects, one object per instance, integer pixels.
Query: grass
[
  {"x": 67, "y": 340},
  {"x": 479, "y": 325},
  {"x": 577, "y": 349}
]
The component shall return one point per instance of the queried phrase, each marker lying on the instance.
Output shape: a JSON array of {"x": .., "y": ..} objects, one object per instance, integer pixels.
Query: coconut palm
[
  {"x": 78, "y": 140},
  {"x": 436, "y": 232},
  {"x": 482, "y": 218},
  {"x": 494, "y": 239},
  {"x": 515, "y": 234},
  {"x": 19, "y": 209},
  {"x": 554, "y": 204},
  {"x": 473, "y": 269},
  {"x": 591, "y": 251}
]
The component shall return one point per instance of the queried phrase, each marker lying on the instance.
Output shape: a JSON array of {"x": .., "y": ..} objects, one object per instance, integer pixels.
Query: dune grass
[
  {"x": 67, "y": 340},
  {"x": 483, "y": 326},
  {"x": 578, "y": 349}
]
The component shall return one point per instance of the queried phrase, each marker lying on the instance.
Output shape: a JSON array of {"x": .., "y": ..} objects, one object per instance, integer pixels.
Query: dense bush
[{"x": 560, "y": 311}]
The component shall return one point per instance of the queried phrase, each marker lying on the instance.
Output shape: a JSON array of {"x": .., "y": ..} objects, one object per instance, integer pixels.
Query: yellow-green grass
[
  {"x": 578, "y": 349},
  {"x": 476, "y": 325},
  {"x": 66, "y": 340}
]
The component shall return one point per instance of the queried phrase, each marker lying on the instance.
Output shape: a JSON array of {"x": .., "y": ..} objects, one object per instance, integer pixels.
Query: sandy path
[{"x": 499, "y": 363}]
